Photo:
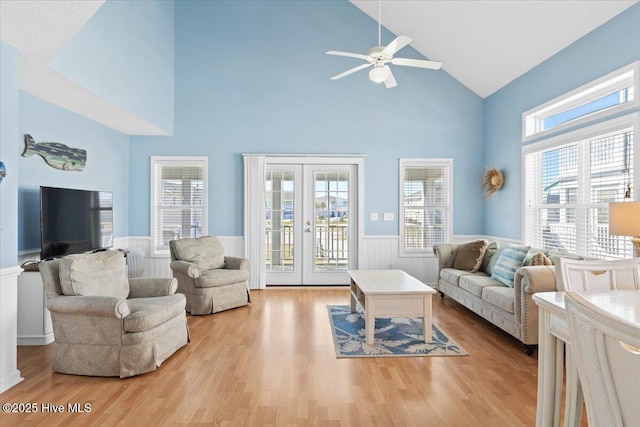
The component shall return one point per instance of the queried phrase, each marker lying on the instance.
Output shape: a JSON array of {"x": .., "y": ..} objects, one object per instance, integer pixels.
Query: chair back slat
[{"x": 580, "y": 275}]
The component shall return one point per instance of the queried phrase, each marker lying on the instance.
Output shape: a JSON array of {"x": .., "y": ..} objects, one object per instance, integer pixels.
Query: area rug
[{"x": 399, "y": 336}]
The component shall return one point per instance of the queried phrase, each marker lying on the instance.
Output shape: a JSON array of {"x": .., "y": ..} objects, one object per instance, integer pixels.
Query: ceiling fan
[{"x": 379, "y": 56}]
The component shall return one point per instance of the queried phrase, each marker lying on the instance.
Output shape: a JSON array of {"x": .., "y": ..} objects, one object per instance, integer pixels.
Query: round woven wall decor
[{"x": 492, "y": 181}]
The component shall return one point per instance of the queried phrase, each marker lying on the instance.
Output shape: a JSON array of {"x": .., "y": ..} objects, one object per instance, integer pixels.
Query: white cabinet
[{"x": 34, "y": 320}]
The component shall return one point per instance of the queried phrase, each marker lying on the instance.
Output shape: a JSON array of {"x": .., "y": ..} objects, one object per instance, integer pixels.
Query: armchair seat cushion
[
  {"x": 147, "y": 313},
  {"x": 220, "y": 277}
]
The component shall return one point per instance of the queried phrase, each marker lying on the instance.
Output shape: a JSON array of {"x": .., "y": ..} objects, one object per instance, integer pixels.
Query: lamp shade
[{"x": 624, "y": 218}]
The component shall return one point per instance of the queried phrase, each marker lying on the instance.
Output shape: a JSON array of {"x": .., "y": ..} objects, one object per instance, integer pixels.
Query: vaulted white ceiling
[
  {"x": 487, "y": 44},
  {"x": 483, "y": 44}
]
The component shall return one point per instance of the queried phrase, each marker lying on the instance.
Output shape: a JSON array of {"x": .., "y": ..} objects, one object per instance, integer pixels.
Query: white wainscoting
[
  {"x": 160, "y": 266},
  {"x": 381, "y": 253},
  {"x": 9, "y": 373}
]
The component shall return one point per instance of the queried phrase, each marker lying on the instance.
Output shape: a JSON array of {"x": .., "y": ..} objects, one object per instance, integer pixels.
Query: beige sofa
[{"x": 511, "y": 309}]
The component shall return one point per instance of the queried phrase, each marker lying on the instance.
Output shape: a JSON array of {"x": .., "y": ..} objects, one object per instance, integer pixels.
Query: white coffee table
[{"x": 390, "y": 293}]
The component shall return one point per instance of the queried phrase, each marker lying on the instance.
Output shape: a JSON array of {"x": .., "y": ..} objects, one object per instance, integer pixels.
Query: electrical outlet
[{"x": 373, "y": 216}]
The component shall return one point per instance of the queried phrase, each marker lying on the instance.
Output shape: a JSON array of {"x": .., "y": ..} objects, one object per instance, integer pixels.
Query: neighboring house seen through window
[
  {"x": 425, "y": 205},
  {"x": 178, "y": 200}
]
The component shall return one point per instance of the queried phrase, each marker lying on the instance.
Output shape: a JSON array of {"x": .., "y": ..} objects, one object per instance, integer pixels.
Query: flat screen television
[{"x": 74, "y": 221}]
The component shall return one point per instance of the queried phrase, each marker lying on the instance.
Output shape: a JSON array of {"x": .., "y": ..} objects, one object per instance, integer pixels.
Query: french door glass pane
[
  {"x": 279, "y": 217},
  {"x": 331, "y": 221}
]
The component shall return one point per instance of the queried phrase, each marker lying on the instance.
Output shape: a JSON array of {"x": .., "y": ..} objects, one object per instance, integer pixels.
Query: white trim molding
[{"x": 9, "y": 373}]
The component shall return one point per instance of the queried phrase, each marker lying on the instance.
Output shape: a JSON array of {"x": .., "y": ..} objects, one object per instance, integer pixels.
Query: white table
[
  {"x": 390, "y": 293},
  {"x": 553, "y": 334}
]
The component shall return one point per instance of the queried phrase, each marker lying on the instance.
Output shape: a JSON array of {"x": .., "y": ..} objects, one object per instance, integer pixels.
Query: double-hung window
[
  {"x": 570, "y": 178},
  {"x": 425, "y": 205},
  {"x": 178, "y": 200}
]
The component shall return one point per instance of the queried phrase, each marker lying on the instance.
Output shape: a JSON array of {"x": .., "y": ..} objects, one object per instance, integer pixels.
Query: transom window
[
  {"x": 425, "y": 205},
  {"x": 178, "y": 200},
  {"x": 614, "y": 93}
]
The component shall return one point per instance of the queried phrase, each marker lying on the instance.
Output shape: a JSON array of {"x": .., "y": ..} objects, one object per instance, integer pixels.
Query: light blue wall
[
  {"x": 607, "y": 48},
  {"x": 125, "y": 54},
  {"x": 253, "y": 77},
  {"x": 9, "y": 102},
  {"x": 107, "y": 167}
]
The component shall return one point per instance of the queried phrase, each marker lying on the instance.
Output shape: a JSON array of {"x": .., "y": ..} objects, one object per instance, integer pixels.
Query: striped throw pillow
[{"x": 510, "y": 260}]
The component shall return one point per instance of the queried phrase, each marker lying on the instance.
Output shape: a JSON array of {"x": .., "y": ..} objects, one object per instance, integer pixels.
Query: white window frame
[
  {"x": 532, "y": 120},
  {"x": 628, "y": 121},
  {"x": 158, "y": 162},
  {"x": 447, "y": 165}
]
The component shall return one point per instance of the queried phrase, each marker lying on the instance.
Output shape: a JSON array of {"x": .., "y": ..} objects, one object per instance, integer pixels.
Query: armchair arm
[
  {"x": 446, "y": 254},
  {"x": 152, "y": 287},
  {"x": 186, "y": 268},
  {"x": 236, "y": 263},
  {"x": 90, "y": 306},
  {"x": 538, "y": 278}
]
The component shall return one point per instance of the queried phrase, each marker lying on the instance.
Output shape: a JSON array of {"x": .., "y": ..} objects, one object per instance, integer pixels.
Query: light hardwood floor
[{"x": 273, "y": 363}]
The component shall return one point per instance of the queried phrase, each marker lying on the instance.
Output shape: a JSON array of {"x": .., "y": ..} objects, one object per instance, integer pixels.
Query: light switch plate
[
  {"x": 374, "y": 216},
  {"x": 388, "y": 216}
]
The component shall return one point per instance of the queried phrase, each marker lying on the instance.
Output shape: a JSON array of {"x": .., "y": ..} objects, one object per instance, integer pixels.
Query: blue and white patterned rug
[{"x": 401, "y": 336}]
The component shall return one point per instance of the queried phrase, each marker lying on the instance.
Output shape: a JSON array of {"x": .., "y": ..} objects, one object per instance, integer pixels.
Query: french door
[{"x": 310, "y": 223}]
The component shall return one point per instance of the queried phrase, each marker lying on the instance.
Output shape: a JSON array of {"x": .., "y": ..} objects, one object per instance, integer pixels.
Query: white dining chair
[
  {"x": 596, "y": 275},
  {"x": 606, "y": 348}
]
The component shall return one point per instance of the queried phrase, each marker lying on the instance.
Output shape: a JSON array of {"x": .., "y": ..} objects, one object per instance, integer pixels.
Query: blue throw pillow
[{"x": 510, "y": 260}]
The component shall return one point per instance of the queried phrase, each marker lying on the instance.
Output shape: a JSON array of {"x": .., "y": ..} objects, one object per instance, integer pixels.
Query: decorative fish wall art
[
  {"x": 3, "y": 171},
  {"x": 56, "y": 155}
]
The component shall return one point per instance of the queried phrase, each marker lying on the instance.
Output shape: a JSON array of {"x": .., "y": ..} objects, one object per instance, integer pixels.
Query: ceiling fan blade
[
  {"x": 397, "y": 44},
  {"x": 390, "y": 81},
  {"x": 350, "y": 55},
  {"x": 421, "y": 63},
  {"x": 353, "y": 70}
]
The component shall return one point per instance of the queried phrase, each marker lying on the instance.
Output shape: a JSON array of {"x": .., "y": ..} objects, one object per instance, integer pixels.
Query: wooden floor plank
[{"x": 273, "y": 363}]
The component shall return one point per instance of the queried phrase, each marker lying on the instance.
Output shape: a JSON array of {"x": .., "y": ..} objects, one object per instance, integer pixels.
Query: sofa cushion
[
  {"x": 452, "y": 275},
  {"x": 98, "y": 274},
  {"x": 500, "y": 296},
  {"x": 491, "y": 265},
  {"x": 510, "y": 260},
  {"x": 205, "y": 252},
  {"x": 147, "y": 313},
  {"x": 469, "y": 257},
  {"x": 221, "y": 277},
  {"x": 476, "y": 283}
]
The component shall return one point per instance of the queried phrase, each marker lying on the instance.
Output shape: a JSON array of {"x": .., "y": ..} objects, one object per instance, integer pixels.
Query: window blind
[
  {"x": 568, "y": 189},
  {"x": 179, "y": 205},
  {"x": 425, "y": 206}
]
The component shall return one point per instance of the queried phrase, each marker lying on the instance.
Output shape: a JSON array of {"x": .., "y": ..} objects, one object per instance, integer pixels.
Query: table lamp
[{"x": 624, "y": 220}]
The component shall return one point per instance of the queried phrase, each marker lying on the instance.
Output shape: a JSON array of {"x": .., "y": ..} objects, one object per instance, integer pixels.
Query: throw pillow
[
  {"x": 540, "y": 259},
  {"x": 489, "y": 255},
  {"x": 494, "y": 260},
  {"x": 98, "y": 274},
  {"x": 510, "y": 260},
  {"x": 469, "y": 257}
]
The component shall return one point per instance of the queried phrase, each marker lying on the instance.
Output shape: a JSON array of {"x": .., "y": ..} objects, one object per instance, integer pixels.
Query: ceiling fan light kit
[
  {"x": 379, "y": 74},
  {"x": 379, "y": 56}
]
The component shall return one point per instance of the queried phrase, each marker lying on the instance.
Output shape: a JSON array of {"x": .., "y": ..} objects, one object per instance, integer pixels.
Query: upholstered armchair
[
  {"x": 211, "y": 281},
  {"x": 107, "y": 325}
]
